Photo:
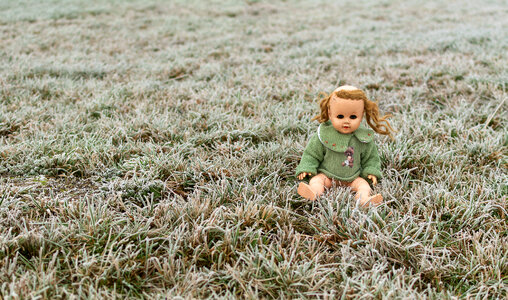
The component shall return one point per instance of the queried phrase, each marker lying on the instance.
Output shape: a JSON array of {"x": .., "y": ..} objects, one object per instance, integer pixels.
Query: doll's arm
[
  {"x": 312, "y": 157},
  {"x": 371, "y": 164}
]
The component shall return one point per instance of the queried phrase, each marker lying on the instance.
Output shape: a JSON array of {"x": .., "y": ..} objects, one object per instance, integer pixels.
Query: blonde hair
[{"x": 376, "y": 122}]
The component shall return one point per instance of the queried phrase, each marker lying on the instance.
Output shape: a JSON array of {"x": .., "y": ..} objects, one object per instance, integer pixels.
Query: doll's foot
[
  {"x": 375, "y": 200},
  {"x": 305, "y": 191}
]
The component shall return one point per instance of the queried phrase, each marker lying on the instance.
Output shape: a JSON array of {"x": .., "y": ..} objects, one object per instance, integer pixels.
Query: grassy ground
[{"x": 148, "y": 149}]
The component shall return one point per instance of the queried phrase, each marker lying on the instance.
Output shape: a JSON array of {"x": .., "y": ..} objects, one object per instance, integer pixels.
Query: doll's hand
[
  {"x": 302, "y": 175},
  {"x": 373, "y": 178}
]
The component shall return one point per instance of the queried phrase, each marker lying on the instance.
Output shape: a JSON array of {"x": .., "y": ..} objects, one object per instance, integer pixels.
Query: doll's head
[{"x": 345, "y": 108}]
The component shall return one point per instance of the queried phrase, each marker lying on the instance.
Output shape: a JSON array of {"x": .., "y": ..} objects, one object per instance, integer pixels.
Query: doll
[{"x": 342, "y": 152}]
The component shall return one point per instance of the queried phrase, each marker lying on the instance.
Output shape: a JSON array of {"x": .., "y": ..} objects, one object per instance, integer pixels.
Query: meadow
[{"x": 148, "y": 149}]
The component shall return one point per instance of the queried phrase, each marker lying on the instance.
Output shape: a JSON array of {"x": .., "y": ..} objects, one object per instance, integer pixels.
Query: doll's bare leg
[
  {"x": 363, "y": 191},
  {"x": 316, "y": 187}
]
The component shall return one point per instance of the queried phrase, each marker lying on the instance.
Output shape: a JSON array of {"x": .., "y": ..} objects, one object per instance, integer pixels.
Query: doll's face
[{"x": 346, "y": 115}]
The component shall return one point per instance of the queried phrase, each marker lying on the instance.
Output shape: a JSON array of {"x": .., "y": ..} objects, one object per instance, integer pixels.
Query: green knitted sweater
[{"x": 341, "y": 156}]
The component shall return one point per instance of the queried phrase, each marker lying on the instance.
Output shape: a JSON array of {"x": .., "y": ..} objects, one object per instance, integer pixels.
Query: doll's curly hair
[{"x": 376, "y": 122}]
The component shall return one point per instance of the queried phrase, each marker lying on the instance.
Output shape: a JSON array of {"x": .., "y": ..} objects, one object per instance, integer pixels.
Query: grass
[{"x": 148, "y": 149}]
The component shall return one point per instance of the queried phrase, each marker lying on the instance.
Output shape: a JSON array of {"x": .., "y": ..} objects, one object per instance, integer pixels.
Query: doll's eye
[
  {"x": 353, "y": 117},
  {"x": 340, "y": 116}
]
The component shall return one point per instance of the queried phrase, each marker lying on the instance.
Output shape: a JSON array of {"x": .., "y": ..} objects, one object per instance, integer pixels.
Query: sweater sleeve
[
  {"x": 312, "y": 157},
  {"x": 371, "y": 164}
]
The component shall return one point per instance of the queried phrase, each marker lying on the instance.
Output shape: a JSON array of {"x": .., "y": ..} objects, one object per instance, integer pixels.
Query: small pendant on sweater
[{"x": 349, "y": 157}]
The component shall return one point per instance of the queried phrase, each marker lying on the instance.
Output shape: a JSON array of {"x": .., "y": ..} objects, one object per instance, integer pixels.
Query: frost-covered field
[{"x": 148, "y": 148}]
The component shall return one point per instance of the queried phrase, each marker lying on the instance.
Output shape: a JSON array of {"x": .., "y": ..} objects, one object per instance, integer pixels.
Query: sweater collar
[{"x": 336, "y": 141}]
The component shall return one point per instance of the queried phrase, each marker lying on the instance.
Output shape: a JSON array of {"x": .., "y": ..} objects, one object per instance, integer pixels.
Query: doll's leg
[
  {"x": 363, "y": 191},
  {"x": 319, "y": 182},
  {"x": 316, "y": 187}
]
